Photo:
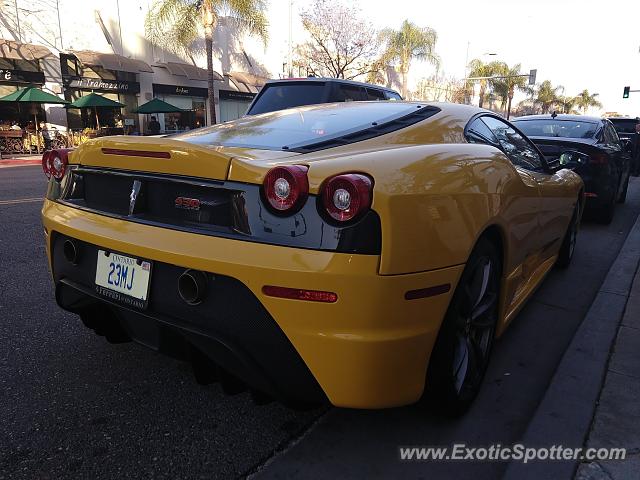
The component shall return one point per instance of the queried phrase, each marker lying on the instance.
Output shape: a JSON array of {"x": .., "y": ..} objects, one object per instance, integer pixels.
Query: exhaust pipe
[
  {"x": 70, "y": 251},
  {"x": 192, "y": 286}
]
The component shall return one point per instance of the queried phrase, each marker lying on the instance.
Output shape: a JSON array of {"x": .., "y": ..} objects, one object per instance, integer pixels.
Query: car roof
[
  {"x": 331, "y": 80},
  {"x": 563, "y": 116}
]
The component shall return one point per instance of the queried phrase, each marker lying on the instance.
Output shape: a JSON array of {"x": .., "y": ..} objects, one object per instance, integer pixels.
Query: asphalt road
[{"x": 74, "y": 406}]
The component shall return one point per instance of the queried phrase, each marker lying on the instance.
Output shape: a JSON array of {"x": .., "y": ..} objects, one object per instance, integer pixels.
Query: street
[{"x": 74, "y": 406}]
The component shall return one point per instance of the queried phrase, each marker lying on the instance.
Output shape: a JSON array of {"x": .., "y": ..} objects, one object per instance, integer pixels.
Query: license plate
[{"x": 124, "y": 279}]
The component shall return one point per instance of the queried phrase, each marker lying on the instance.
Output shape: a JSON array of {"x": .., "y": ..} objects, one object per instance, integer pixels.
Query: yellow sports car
[{"x": 360, "y": 253}]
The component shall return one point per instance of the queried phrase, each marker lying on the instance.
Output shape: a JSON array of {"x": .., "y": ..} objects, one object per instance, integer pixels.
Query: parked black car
[
  {"x": 602, "y": 160},
  {"x": 629, "y": 128},
  {"x": 295, "y": 92}
]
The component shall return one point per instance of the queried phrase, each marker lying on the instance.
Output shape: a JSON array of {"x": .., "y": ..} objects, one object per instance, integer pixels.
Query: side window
[
  {"x": 350, "y": 93},
  {"x": 374, "y": 94},
  {"x": 478, "y": 132},
  {"x": 515, "y": 146},
  {"x": 612, "y": 135},
  {"x": 393, "y": 96}
]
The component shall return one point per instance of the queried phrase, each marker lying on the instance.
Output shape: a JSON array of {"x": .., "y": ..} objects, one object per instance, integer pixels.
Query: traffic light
[
  {"x": 532, "y": 76},
  {"x": 625, "y": 94}
]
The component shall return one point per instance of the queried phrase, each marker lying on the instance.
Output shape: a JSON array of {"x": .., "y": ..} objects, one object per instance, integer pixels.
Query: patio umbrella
[
  {"x": 95, "y": 101},
  {"x": 32, "y": 95},
  {"x": 158, "y": 106}
]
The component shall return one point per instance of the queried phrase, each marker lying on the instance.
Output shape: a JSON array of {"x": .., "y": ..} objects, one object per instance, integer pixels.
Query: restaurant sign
[
  {"x": 85, "y": 83},
  {"x": 21, "y": 76},
  {"x": 160, "y": 89}
]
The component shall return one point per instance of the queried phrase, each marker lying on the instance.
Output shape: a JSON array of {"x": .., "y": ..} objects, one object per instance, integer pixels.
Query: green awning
[
  {"x": 94, "y": 100},
  {"x": 32, "y": 95},
  {"x": 158, "y": 106}
]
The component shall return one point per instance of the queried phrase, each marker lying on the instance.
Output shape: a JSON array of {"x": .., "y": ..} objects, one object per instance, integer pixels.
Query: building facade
[{"x": 72, "y": 48}]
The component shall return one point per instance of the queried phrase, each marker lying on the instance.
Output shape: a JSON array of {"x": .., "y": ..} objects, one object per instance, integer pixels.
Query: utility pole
[
  {"x": 15, "y": 2},
  {"x": 59, "y": 24},
  {"x": 289, "y": 68}
]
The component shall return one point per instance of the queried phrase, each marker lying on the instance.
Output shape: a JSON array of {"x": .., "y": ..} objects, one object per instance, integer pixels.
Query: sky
[{"x": 574, "y": 43}]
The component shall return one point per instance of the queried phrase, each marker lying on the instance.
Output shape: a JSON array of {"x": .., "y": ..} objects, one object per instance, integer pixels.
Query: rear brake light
[
  {"x": 300, "y": 294},
  {"x": 55, "y": 162},
  {"x": 286, "y": 188},
  {"x": 46, "y": 166},
  {"x": 637, "y": 127},
  {"x": 348, "y": 196}
]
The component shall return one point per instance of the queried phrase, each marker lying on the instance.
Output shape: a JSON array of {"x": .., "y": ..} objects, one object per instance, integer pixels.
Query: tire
[
  {"x": 569, "y": 242},
  {"x": 461, "y": 353},
  {"x": 605, "y": 213},
  {"x": 623, "y": 196}
]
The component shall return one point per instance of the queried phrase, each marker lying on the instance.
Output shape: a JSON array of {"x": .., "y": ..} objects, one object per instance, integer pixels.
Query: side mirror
[{"x": 571, "y": 159}]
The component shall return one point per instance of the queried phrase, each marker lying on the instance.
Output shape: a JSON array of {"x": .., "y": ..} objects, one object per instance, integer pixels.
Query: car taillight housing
[
  {"x": 46, "y": 167},
  {"x": 286, "y": 188},
  {"x": 347, "y": 197},
  {"x": 55, "y": 162},
  {"x": 599, "y": 159}
]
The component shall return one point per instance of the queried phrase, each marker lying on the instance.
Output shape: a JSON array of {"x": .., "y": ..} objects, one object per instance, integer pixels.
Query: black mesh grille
[{"x": 170, "y": 202}]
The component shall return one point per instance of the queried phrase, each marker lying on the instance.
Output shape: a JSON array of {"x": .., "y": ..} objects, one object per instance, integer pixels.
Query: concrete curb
[
  {"x": 566, "y": 411},
  {"x": 19, "y": 162}
]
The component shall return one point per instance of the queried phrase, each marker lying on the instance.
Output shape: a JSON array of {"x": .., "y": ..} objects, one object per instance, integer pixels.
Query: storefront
[
  {"x": 192, "y": 100},
  {"x": 20, "y": 66},
  {"x": 234, "y": 104},
  {"x": 112, "y": 76}
]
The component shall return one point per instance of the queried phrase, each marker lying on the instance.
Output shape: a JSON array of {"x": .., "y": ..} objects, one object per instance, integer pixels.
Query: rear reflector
[
  {"x": 135, "y": 153},
  {"x": 427, "y": 292},
  {"x": 299, "y": 294},
  {"x": 589, "y": 194}
]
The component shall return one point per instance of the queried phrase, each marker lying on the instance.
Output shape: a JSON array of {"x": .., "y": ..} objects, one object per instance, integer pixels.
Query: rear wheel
[
  {"x": 461, "y": 353},
  {"x": 605, "y": 213},
  {"x": 623, "y": 195},
  {"x": 569, "y": 242}
]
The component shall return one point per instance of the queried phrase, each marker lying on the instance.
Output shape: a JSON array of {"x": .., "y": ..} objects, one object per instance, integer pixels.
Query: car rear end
[
  {"x": 205, "y": 253},
  {"x": 629, "y": 129}
]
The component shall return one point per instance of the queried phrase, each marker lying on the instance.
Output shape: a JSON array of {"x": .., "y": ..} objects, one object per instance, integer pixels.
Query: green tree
[
  {"x": 547, "y": 96},
  {"x": 409, "y": 43},
  {"x": 176, "y": 24},
  {"x": 586, "y": 100},
  {"x": 510, "y": 79},
  {"x": 567, "y": 104},
  {"x": 477, "y": 68}
]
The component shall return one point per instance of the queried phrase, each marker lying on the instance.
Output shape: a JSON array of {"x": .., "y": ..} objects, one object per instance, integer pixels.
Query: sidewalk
[
  {"x": 593, "y": 399},
  {"x": 617, "y": 419}
]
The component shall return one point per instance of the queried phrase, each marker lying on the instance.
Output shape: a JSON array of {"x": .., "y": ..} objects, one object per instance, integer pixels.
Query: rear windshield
[
  {"x": 288, "y": 95},
  {"x": 557, "y": 128},
  {"x": 294, "y": 128},
  {"x": 624, "y": 126}
]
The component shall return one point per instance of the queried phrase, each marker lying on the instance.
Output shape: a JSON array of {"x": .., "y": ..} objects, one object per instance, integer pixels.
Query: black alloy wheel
[
  {"x": 461, "y": 354},
  {"x": 570, "y": 239}
]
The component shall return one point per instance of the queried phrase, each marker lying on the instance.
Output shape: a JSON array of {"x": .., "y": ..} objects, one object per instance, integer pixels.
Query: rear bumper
[{"x": 370, "y": 349}]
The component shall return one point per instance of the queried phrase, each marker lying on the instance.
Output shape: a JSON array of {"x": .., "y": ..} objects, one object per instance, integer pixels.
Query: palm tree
[
  {"x": 408, "y": 43},
  {"x": 477, "y": 68},
  {"x": 510, "y": 79},
  {"x": 175, "y": 25},
  {"x": 567, "y": 104},
  {"x": 585, "y": 100},
  {"x": 547, "y": 96}
]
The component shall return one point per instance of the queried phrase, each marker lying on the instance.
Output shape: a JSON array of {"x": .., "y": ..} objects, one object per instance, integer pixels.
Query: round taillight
[
  {"x": 286, "y": 188},
  {"x": 346, "y": 197},
  {"x": 57, "y": 162},
  {"x": 46, "y": 167}
]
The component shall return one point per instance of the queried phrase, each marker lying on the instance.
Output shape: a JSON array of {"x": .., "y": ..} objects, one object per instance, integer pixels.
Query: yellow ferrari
[{"x": 365, "y": 254}]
